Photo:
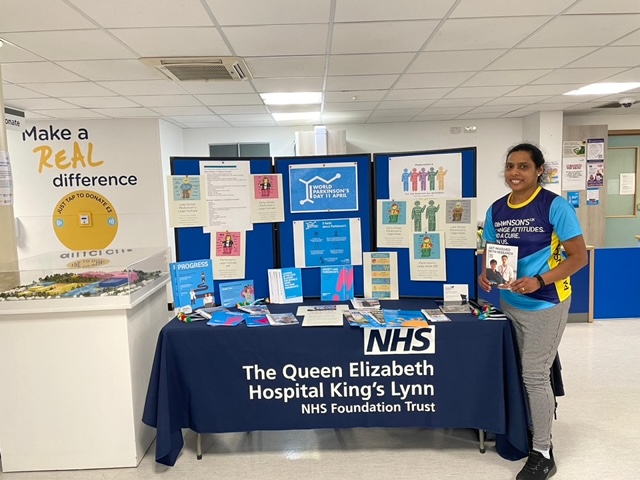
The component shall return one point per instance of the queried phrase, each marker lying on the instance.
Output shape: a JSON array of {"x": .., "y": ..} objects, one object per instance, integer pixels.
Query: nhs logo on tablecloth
[
  {"x": 323, "y": 187},
  {"x": 400, "y": 341}
]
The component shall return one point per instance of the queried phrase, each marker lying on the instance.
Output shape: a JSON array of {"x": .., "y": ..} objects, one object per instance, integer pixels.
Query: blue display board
[
  {"x": 341, "y": 184},
  {"x": 461, "y": 263},
  {"x": 193, "y": 244}
]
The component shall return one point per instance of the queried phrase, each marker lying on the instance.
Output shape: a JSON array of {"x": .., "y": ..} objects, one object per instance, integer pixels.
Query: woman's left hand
[{"x": 525, "y": 285}]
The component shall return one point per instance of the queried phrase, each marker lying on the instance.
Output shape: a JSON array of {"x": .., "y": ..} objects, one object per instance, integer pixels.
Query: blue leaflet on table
[
  {"x": 356, "y": 318},
  {"x": 336, "y": 283},
  {"x": 192, "y": 283},
  {"x": 256, "y": 321},
  {"x": 226, "y": 319},
  {"x": 233, "y": 293},
  {"x": 375, "y": 318},
  {"x": 396, "y": 318},
  {"x": 292, "y": 284}
]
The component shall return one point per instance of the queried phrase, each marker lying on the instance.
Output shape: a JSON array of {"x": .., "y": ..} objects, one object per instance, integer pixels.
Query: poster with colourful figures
[
  {"x": 427, "y": 257},
  {"x": 393, "y": 224},
  {"x": 187, "y": 206},
  {"x": 381, "y": 275},
  {"x": 267, "y": 205},
  {"x": 323, "y": 187},
  {"x": 457, "y": 217},
  {"x": 320, "y": 243},
  {"x": 425, "y": 176},
  {"x": 228, "y": 253}
]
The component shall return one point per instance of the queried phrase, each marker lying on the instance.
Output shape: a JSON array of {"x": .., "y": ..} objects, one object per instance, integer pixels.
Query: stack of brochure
[
  {"x": 435, "y": 315},
  {"x": 365, "y": 303},
  {"x": 282, "y": 319},
  {"x": 285, "y": 285}
]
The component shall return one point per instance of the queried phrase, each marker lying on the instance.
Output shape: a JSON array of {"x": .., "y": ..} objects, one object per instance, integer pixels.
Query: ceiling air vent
[{"x": 200, "y": 69}]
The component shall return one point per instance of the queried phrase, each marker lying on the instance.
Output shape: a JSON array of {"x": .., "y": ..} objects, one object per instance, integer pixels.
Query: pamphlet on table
[
  {"x": 285, "y": 285},
  {"x": 192, "y": 283}
]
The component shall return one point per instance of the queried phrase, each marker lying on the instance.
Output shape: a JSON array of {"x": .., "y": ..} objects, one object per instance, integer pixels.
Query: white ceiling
[{"x": 374, "y": 60}]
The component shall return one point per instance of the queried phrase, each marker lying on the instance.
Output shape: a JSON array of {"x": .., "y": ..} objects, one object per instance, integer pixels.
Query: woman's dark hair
[{"x": 536, "y": 155}]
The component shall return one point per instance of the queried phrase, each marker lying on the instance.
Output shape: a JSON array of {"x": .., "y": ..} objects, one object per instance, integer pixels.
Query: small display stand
[{"x": 77, "y": 337}]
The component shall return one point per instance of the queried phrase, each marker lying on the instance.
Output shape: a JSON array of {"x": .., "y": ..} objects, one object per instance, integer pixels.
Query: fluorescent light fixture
[
  {"x": 281, "y": 117},
  {"x": 292, "y": 98},
  {"x": 604, "y": 88}
]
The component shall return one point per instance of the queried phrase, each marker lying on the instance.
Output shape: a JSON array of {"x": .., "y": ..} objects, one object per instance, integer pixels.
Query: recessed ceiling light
[
  {"x": 604, "y": 88},
  {"x": 292, "y": 98},
  {"x": 280, "y": 117}
]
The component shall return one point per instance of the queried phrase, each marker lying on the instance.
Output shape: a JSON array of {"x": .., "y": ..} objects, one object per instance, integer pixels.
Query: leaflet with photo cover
[
  {"x": 355, "y": 318},
  {"x": 404, "y": 318},
  {"x": 435, "y": 315},
  {"x": 236, "y": 292},
  {"x": 192, "y": 284},
  {"x": 376, "y": 318},
  {"x": 278, "y": 319},
  {"x": 303, "y": 309},
  {"x": 502, "y": 264},
  {"x": 365, "y": 303},
  {"x": 456, "y": 298}
]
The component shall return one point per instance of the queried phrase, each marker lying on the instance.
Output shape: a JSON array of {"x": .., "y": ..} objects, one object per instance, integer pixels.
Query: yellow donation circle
[{"x": 85, "y": 220}]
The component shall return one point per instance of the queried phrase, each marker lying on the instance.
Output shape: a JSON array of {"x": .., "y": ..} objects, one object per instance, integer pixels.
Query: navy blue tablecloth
[{"x": 203, "y": 378}]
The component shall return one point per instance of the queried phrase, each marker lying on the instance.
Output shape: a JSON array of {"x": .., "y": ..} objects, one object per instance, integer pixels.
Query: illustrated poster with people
[
  {"x": 267, "y": 205},
  {"x": 457, "y": 218},
  {"x": 228, "y": 253},
  {"x": 393, "y": 229},
  {"x": 187, "y": 206},
  {"x": 437, "y": 175},
  {"x": 427, "y": 257}
]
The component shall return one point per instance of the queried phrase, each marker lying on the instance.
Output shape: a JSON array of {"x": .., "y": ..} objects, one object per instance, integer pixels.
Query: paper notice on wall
[
  {"x": 627, "y": 184},
  {"x": 187, "y": 206},
  {"x": 427, "y": 257},
  {"x": 574, "y": 173},
  {"x": 6, "y": 180},
  {"x": 393, "y": 225},
  {"x": 425, "y": 176},
  {"x": 227, "y": 190},
  {"x": 229, "y": 254},
  {"x": 267, "y": 204},
  {"x": 595, "y": 149}
]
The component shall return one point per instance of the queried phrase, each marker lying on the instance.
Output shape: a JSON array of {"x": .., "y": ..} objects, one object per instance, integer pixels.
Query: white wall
[
  {"x": 492, "y": 139},
  {"x": 171, "y": 145},
  {"x": 615, "y": 122}
]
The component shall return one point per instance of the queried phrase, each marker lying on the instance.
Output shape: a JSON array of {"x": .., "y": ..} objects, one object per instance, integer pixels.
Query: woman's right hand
[{"x": 484, "y": 283}]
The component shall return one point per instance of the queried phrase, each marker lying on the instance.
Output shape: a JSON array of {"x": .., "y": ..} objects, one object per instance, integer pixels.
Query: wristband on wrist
[{"x": 540, "y": 280}]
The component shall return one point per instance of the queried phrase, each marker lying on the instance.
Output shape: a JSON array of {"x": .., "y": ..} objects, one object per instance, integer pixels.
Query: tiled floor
[{"x": 596, "y": 436}]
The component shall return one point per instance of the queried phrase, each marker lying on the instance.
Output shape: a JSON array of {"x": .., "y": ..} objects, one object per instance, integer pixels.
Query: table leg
[
  {"x": 481, "y": 436},
  {"x": 199, "y": 446}
]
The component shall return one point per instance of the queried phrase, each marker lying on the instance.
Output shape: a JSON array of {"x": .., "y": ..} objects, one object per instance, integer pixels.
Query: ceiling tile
[
  {"x": 126, "y": 112},
  {"x": 72, "y": 113},
  {"x": 531, "y": 58},
  {"x": 239, "y": 99},
  {"x": 379, "y": 10},
  {"x": 309, "y": 66},
  {"x": 381, "y": 37},
  {"x": 367, "y": 82},
  {"x": 418, "y": 94},
  {"x": 509, "y": 8},
  {"x": 143, "y": 87},
  {"x": 173, "y": 42},
  {"x": 172, "y": 111},
  {"x": 446, "y": 110},
  {"x": 220, "y": 124},
  {"x": 165, "y": 100},
  {"x": 71, "y": 45},
  {"x": 10, "y": 54},
  {"x": 71, "y": 89},
  {"x": 238, "y": 109},
  {"x": 399, "y": 112},
  {"x": 525, "y": 100},
  {"x": 264, "y": 123},
  {"x": 36, "y": 72},
  {"x": 433, "y": 118},
  {"x": 484, "y": 33},
  {"x": 100, "y": 102},
  {"x": 631, "y": 75},
  {"x": 249, "y": 117},
  {"x": 347, "y": 117},
  {"x": 14, "y": 91},
  {"x": 631, "y": 39},
  {"x": 516, "y": 114},
  {"x": 278, "y": 12},
  {"x": 34, "y": 15},
  {"x": 456, "y": 61},
  {"x": 369, "y": 64},
  {"x": 610, "y": 57},
  {"x": 585, "y": 30},
  {"x": 391, "y": 104},
  {"x": 349, "y": 106},
  {"x": 577, "y": 75},
  {"x": 478, "y": 116},
  {"x": 548, "y": 107},
  {"x": 532, "y": 90},
  {"x": 145, "y": 13},
  {"x": 479, "y": 92},
  {"x": 243, "y": 86},
  {"x": 46, "y": 103},
  {"x": 504, "y": 77},
  {"x": 424, "y": 80},
  {"x": 277, "y": 40},
  {"x": 102, "y": 70},
  {"x": 361, "y": 96},
  {"x": 211, "y": 118},
  {"x": 405, "y": 118},
  {"x": 294, "y": 84},
  {"x": 610, "y": 6},
  {"x": 495, "y": 108},
  {"x": 459, "y": 102}
]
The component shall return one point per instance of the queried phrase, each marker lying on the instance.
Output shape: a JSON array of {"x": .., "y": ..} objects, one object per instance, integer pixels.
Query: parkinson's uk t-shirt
[{"x": 537, "y": 227}]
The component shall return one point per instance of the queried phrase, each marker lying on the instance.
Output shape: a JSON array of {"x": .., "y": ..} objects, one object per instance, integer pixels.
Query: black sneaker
[{"x": 537, "y": 467}]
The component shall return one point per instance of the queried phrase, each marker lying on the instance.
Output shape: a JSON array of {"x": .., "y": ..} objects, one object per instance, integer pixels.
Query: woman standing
[{"x": 539, "y": 223}]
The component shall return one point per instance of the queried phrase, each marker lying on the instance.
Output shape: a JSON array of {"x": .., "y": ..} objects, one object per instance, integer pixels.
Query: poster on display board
[
  {"x": 438, "y": 175},
  {"x": 323, "y": 187},
  {"x": 227, "y": 189},
  {"x": 595, "y": 149},
  {"x": 427, "y": 260},
  {"x": 574, "y": 165},
  {"x": 187, "y": 207},
  {"x": 392, "y": 224},
  {"x": 320, "y": 243},
  {"x": 595, "y": 174},
  {"x": 267, "y": 203},
  {"x": 228, "y": 253}
]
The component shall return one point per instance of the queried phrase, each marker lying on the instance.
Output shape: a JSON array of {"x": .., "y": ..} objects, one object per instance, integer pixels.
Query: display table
[
  {"x": 203, "y": 378},
  {"x": 73, "y": 380}
]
